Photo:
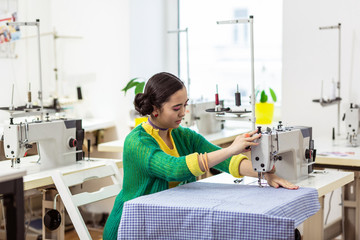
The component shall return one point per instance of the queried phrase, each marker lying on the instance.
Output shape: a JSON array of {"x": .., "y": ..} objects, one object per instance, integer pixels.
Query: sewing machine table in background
[
  {"x": 337, "y": 154},
  {"x": 37, "y": 179}
]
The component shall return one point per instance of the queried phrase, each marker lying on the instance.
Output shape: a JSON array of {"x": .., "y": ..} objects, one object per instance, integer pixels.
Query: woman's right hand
[{"x": 243, "y": 143}]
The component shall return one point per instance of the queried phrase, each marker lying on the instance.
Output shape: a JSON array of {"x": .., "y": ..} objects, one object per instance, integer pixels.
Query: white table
[
  {"x": 337, "y": 154},
  {"x": 323, "y": 181},
  {"x": 37, "y": 179},
  {"x": 11, "y": 174},
  {"x": 93, "y": 124}
]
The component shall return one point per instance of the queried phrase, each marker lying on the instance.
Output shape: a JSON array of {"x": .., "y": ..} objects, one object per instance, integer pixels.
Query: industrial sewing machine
[
  {"x": 59, "y": 142},
  {"x": 352, "y": 122},
  {"x": 206, "y": 123},
  {"x": 289, "y": 149}
]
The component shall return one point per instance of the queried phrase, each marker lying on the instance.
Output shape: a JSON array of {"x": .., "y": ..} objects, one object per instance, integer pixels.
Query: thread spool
[
  {"x": 237, "y": 99},
  {"x": 29, "y": 97},
  {"x": 237, "y": 96},
  {"x": 217, "y": 96},
  {"x": 79, "y": 93}
]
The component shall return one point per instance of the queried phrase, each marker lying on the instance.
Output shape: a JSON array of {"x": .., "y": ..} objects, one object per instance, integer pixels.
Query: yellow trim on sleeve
[
  {"x": 193, "y": 164},
  {"x": 234, "y": 165}
]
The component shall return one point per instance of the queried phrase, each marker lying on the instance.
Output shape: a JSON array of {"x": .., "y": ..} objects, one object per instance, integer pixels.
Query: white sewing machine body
[
  {"x": 59, "y": 142},
  {"x": 289, "y": 149},
  {"x": 352, "y": 122},
  {"x": 205, "y": 122}
]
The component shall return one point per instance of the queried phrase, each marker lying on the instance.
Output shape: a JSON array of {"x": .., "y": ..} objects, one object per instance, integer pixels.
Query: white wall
[
  {"x": 310, "y": 55},
  {"x": 152, "y": 48},
  {"x": 100, "y": 61}
]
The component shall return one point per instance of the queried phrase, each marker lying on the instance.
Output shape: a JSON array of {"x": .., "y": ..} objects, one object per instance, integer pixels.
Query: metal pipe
[
  {"x": 37, "y": 24},
  {"x": 253, "y": 120},
  {"x": 339, "y": 70},
  {"x": 251, "y": 21},
  {"x": 12, "y": 99},
  {"x": 178, "y": 31},
  {"x": 187, "y": 60},
  {"x": 338, "y": 84},
  {"x": 55, "y": 67},
  {"x": 235, "y": 21},
  {"x": 329, "y": 27},
  {"x": 40, "y": 75}
]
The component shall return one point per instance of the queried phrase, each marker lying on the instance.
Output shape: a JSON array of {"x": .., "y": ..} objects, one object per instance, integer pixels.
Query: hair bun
[{"x": 143, "y": 104}]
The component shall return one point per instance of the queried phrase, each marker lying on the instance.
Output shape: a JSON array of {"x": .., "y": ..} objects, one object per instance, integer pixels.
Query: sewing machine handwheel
[
  {"x": 52, "y": 219},
  {"x": 72, "y": 142}
]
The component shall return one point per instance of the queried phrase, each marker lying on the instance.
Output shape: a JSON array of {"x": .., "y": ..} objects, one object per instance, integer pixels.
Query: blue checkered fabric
[{"x": 202, "y": 210}]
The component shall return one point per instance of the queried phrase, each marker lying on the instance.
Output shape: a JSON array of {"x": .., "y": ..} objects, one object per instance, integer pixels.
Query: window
[{"x": 220, "y": 54}]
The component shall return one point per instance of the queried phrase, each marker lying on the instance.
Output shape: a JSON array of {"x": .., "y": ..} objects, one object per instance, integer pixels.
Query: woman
[{"x": 160, "y": 153}]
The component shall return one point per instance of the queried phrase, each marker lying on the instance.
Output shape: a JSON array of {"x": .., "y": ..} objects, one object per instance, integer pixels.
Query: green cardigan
[{"x": 147, "y": 169}]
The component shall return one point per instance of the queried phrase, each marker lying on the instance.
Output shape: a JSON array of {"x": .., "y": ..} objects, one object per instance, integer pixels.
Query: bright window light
[{"x": 220, "y": 54}]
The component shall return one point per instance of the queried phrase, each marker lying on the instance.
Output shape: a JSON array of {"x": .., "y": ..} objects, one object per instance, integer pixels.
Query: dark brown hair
[{"x": 158, "y": 90}]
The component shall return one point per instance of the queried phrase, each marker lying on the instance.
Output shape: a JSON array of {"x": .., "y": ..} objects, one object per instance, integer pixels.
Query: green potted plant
[
  {"x": 264, "y": 110},
  {"x": 138, "y": 84}
]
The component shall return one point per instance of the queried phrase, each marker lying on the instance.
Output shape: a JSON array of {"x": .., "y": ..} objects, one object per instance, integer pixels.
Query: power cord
[
  {"x": 31, "y": 213},
  {"x": 327, "y": 215},
  {"x": 342, "y": 219}
]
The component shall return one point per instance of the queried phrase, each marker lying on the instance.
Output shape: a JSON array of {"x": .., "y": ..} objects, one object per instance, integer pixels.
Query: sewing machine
[
  {"x": 206, "y": 123},
  {"x": 289, "y": 149},
  {"x": 352, "y": 122},
  {"x": 59, "y": 142}
]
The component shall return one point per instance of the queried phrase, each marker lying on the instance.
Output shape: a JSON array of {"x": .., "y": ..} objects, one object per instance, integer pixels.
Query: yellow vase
[
  {"x": 139, "y": 120},
  {"x": 264, "y": 113}
]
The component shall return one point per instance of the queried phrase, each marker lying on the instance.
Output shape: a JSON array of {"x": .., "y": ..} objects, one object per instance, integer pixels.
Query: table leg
[
  {"x": 351, "y": 208},
  {"x": 314, "y": 225},
  {"x": 20, "y": 209},
  {"x": 14, "y": 204}
]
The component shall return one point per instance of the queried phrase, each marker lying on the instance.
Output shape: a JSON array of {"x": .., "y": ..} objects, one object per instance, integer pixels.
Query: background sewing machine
[
  {"x": 289, "y": 149},
  {"x": 352, "y": 122},
  {"x": 205, "y": 122},
  {"x": 59, "y": 142}
]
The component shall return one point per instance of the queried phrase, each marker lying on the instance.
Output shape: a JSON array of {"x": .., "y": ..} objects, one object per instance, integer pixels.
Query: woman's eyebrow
[{"x": 177, "y": 105}]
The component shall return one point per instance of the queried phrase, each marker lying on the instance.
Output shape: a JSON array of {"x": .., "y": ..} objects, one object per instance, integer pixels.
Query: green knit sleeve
[
  {"x": 145, "y": 153},
  {"x": 201, "y": 145},
  {"x": 167, "y": 167}
]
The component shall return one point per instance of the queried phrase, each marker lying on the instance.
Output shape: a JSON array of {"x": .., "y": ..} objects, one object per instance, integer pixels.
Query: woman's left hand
[{"x": 276, "y": 181}]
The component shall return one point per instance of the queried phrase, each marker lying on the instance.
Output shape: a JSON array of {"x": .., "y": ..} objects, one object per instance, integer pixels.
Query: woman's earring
[{"x": 156, "y": 115}]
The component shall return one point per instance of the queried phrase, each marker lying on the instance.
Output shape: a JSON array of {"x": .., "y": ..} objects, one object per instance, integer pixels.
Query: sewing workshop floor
[{"x": 96, "y": 234}]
